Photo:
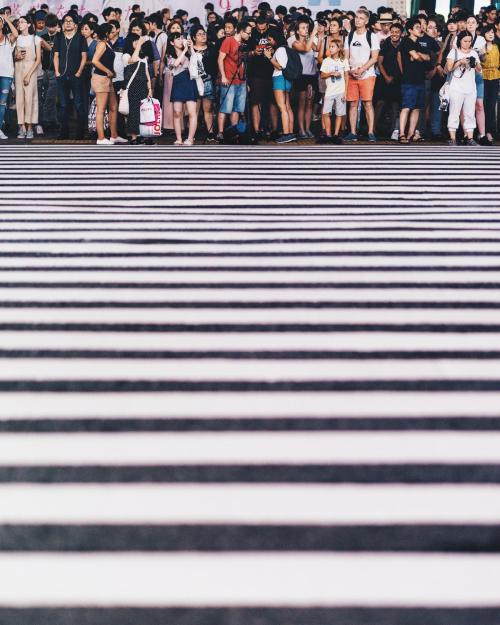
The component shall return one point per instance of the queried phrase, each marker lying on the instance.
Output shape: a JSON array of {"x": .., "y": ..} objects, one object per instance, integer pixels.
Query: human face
[
  {"x": 432, "y": 30},
  {"x": 86, "y": 32},
  {"x": 461, "y": 25},
  {"x": 137, "y": 30},
  {"x": 179, "y": 43},
  {"x": 111, "y": 16},
  {"x": 334, "y": 28},
  {"x": 211, "y": 18},
  {"x": 113, "y": 32},
  {"x": 466, "y": 43},
  {"x": 471, "y": 24},
  {"x": 452, "y": 27},
  {"x": 395, "y": 35},
  {"x": 200, "y": 38},
  {"x": 333, "y": 49},
  {"x": 261, "y": 28},
  {"x": 416, "y": 31},
  {"x": 220, "y": 33},
  {"x": 22, "y": 26},
  {"x": 303, "y": 29},
  {"x": 229, "y": 29},
  {"x": 40, "y": 24},
  {"x": 491, "y": 16},
  {"x": 360, "y": 20},
  {"x": 68, "y": 24},
  {"x": 246, "y": 33},
  {"x": 489, "y": 35},
  {"x": 175, "y": 27}
]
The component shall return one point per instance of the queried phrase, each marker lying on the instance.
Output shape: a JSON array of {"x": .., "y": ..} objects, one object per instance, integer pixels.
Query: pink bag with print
[{"x": 150, "y": 125}]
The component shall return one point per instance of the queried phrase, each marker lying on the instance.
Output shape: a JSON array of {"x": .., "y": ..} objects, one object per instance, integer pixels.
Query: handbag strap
[{"x": 133, "y": 75}]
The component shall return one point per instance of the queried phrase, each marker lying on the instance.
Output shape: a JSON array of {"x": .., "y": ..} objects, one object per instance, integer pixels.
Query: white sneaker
[
  {"x": 104, "y": 142},
  {"x": 395, "y": 135},
  {"x": 3, "y": 136},
  {"x": 29, "y": 134},
  {"x": 118, "y": 140},
  {"x": 21, "y": 133},
  {"x": 39, "y": 129}
]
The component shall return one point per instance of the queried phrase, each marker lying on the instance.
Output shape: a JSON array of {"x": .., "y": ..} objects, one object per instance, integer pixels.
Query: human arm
[
  {"x": 380, "y": 64},
  {"x": 83, "y": 62},
  {"x": 36, "y": 62},
  {"x": 220, "y": 63},
  {"x": 14, "y": 34},
  {"x": 148, "y": 78},
  {"x": 308, "y": 44},
  {"x": 359, "y": 71}
]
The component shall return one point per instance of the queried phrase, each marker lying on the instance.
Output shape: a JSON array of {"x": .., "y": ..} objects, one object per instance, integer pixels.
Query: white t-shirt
[
  {"x": 6, "y": 59},
  {"x": 360, "y": 52},
  {"x": 463, "y": 82},
  {"x": 334, "y": 86},
  {"x": 281, "y": 57},
  {"x": 306, "y": 58},
  {"x": 479, "y": 44}
]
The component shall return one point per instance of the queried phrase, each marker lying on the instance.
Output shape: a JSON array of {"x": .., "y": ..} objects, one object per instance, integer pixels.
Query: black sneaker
[
  {"x": 211, "y": 138},
  {"x": 485, "y": 141},
  {"x": 274, "y": 135},
  {"x": 336, "y": 140}
]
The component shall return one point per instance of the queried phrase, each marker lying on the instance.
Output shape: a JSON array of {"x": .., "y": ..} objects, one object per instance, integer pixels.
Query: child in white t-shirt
[{"x": 335, "y": 71}]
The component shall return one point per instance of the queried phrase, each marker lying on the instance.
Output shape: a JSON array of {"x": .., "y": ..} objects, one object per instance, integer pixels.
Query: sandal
[
  {"x": 178, "y": 143},
  {"x": 403, "y": 139},
  {"x": 416, "y": 140},
  {"x": 188, "y": 142}
]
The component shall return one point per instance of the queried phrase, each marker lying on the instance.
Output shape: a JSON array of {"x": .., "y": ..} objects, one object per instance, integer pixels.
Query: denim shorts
[
  {"x": 233, "y": 98},
  {"x": 280, "y": 83},
  {"x": 413, "y": 96},
  {"x": 479, "y": 86},
  {"x": 208, "y": 90}
]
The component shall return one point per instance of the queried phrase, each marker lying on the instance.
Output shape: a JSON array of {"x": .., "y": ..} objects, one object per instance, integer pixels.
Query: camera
[
  {"x": 443, "y": 104},
  {"x": 472, "y": 61}
]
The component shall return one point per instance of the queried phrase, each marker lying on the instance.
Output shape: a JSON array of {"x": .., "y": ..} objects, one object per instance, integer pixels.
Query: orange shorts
[{"x": 360, "y": 89}]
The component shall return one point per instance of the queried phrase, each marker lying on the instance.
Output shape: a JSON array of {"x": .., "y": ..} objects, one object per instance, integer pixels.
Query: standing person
[
  {"x": 137, "y": 81},
  {"x": 87, "y": 30},
  {"x": 307, "y": 85},
  {"x": 70, "y": 57},
  {"x": 47, "y": 84},
  {"x": 491, "y": 76},
  {"x": 7, "y": 43},
  {"x": 479, "y": 45},
  {"x": 160, "y": 39},
  {"x": 28, "y": 59},
  {"x": 260, "y": 78},
  {"x": 362, "y": 49},
  {"x": 412, "y": 63},
  {"x": 208, "y": 71},
  {"x": 463, "y": 63},
  {"x": 335, "y": 71},
  {"x": 388, "y": 83},
  {"x": 184, "y": 88},
  {"x": 233, "y": 89},
  {"x": 167, "y": 106},
  {"x": 103, "y": 62},
  {"x": 277, "y": 55},
  {"x": 117, "y": 42}
]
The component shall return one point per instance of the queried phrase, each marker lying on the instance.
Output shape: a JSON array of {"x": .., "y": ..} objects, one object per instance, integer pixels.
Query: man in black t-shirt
[
  {"x": 388, "y": 85},
  {"x": 260, "y": 77},
  {"x": 70, "y": 56},
  {"x": 412, "y": 61}
]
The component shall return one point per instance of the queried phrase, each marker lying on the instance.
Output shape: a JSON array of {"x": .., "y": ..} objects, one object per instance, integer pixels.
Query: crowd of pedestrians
[{"x": 278, "y": 75}]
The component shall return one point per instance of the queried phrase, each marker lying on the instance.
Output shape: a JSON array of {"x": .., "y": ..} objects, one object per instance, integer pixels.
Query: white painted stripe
[
  {"x": 139, "y": 448},
  {"x": 292, "y": 580},
  {"x": 246, "y": 370},
  {"x": 19, "y": 405},
  {"x": 250, "y": 341},
  {"x": 248, "y": 503},
  {"x": 229, "y": 315}
]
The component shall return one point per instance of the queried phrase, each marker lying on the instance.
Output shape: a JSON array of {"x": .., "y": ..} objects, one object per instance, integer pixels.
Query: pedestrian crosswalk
[{"x": 249, "y": 386}]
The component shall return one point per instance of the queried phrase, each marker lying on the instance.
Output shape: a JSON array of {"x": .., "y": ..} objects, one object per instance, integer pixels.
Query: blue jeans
[
  {"x": 47, "y": 96},
  {"x": 435, "y": 114},
  {"x": 65, "y": 86},
  {"x": 5, "y": 84}
]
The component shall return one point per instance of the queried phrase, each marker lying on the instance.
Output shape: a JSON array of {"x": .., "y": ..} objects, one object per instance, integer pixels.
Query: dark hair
[
  {"x": 170, "y": 44},
  {"x": 118, "y": 10},
  {"x": 209, "y": 6},
  {"x": 486, "y": 28},
  {"x": 278, "y": 37},
  {"x": 230, "y": 20},
  {"x": 135, "y": 7},
  {"x": 92, "y": 26},
  {"x": 102, "y": 31},
  {"x": 303, "y": 20},
  {"x": 107, "y": 12},
  {"x": 114, "y": 23},
  {"x": 461, "y": 36},
  {"x": 397, "y": 25},
  {"x": 195, "y": 30},
  {"x": 241, "y": 26},
  {"x": 411, "y": 23},
  {"x": 51, "y": 20},
  {"x": 281, "y": 10},
  {"x": 138, "y": 23},
  {"x": 70, "y": 15}
]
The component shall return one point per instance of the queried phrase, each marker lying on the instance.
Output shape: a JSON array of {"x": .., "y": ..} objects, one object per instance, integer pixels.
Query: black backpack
[
  {"x": 293, "y": 69},
  {"x": 368, "y": 38}
]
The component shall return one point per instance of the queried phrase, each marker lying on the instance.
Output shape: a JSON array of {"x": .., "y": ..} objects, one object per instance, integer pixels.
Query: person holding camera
[
  {"x": 463, "y": 64},
  {"x": 8, "y": 36},
  {"x": 184, "y": 89}
]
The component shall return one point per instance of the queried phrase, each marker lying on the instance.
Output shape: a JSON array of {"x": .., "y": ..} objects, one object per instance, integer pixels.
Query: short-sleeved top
[
  {"x": 281, "y": 57},
  {"x": 233, "y": 66},
  {"x": 429, "y": 46},
  {"x": 258, "y": 65},
  {"x": 463, "y": 81},
  {"x": 70, "y": 52},
  {"x": 360, "y": 52},
  {"x": 389, "y": 52},
  {"x": 335, "y": 85},
  {"x": 6, "y": 59},
  {"x": 413, "y": 71},
  {"x": 209, "y": 58},
  {"x": 48, "y": 55},
  {"x": 308, "y": 59}
]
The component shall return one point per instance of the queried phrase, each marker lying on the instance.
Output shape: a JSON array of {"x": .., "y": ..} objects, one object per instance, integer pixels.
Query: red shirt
[{"x": 231, "y": 49}]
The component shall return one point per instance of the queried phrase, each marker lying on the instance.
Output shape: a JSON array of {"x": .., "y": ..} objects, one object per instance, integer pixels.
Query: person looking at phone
[
  {"x": 28, "y": 58},
  {"x": 8, "y": 36}
]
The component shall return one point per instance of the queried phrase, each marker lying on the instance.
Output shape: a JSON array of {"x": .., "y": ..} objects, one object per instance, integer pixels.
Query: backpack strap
[{"x": 368, "y": 38}]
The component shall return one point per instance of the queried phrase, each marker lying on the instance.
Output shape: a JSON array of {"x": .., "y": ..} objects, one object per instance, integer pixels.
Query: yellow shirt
[{"x": 491, "y": 63}]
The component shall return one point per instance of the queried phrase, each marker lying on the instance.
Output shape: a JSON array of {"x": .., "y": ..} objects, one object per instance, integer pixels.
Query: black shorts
[
  {"x": 387, "y": 92},
  {"x": 304, "y": 81},
  {"x": 260, "y": 90}
]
